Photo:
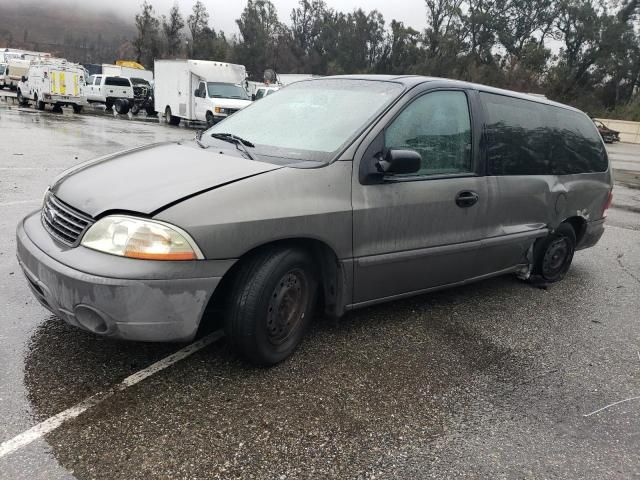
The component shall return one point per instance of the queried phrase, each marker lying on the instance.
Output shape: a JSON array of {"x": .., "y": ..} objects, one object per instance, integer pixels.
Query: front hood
[{"x": 146, "y": 179}]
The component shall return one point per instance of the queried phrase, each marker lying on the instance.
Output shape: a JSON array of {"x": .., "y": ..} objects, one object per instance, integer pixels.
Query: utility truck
[
  {"x": 55, "y": 82},
  {"x": 199, "y": 90}
]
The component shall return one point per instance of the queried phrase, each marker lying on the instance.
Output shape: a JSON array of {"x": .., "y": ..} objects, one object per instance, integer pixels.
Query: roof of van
[{"x": 413, "y": 80}]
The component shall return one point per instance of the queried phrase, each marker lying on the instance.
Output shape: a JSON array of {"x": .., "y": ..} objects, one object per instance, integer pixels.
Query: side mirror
[
  {"x": 24, "y": 79},
  {"x": 253, "y": 97},
  {"x": 400, "y": 162},
  {"x": 196, "y": 92}
]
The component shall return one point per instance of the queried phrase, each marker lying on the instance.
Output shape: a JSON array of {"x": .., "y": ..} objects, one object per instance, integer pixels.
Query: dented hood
[{"x": 145, "y": 180}]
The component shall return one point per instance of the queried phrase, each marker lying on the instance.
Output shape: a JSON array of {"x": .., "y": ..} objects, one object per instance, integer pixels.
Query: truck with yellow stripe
[{"x": 55, "y": 82}]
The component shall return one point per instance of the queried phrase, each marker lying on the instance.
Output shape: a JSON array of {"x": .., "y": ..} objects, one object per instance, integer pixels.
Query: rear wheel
[
  {"x": 77, "y": 108},
  {"x": 57, "y": 108},
  {"x": 169, "y": 118},
  {"x": 122, "y": 106},
  {"x": 271, "y": 303},
  {"x": 554, "y": 253}
]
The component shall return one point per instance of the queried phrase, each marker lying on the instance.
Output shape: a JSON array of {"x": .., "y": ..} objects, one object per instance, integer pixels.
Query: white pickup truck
[
  {"x": 53, "y": 82},
  {"x": 110, "y": 91}
]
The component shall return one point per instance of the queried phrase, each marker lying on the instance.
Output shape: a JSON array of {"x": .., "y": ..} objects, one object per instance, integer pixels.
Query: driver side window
[
  {"x": 202, "y": 90},
  {"x": 437, "y": 126}
]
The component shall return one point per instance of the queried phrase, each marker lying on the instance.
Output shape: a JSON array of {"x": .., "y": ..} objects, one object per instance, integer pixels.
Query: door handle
[{"x": 467, "y": 199}]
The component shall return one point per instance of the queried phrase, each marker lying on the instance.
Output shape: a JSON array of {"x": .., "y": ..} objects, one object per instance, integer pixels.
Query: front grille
[
  {"x": 231, "y": 111},
  {"x": 63, "y": 222}
]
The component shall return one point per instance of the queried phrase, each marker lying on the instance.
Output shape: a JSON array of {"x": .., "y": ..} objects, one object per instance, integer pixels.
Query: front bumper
[{"x": 123, "y": 298}]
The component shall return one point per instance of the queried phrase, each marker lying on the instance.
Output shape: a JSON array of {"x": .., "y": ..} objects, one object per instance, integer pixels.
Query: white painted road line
[{"x": 54, "y": 422}]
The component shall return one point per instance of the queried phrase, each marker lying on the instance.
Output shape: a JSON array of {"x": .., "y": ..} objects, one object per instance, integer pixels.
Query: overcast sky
[{"x": 223, "y": 13}]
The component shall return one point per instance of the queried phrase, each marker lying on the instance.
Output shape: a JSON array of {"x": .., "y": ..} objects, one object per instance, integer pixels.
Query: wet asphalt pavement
[{"x": 490, "y": 380}]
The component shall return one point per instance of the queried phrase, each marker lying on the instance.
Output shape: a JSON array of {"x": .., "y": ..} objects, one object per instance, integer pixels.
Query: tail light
[{"x": 607, "y": 204}]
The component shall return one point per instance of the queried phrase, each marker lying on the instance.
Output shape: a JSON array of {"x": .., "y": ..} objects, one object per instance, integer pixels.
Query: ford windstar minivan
[{"x": 365, "y": 189}]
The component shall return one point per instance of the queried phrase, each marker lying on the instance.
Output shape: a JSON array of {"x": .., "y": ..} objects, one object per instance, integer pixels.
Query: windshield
[
  {"x": 139, "y": 81},
  {"x": 310, "y": 120},
  {"x": 226, "y": 90},
  {"x": 2, "y": 67}
]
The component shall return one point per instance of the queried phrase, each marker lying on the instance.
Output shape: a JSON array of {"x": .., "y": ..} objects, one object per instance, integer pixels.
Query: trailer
[
  {"x": 199, "y": 90},
  {"x": 54, "y": 82}
]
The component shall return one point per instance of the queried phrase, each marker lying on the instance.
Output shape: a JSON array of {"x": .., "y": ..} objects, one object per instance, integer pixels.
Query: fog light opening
[{"x": 91, "y": 320}]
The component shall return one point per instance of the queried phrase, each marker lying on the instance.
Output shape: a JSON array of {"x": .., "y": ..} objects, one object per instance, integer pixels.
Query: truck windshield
[
  {"x": 315, "y": 118},
  {"x": 226, "y": 90}
]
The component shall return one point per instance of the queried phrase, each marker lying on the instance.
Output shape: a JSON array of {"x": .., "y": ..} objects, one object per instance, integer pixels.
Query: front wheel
[
  {"x": 554, "y": 253},
  {"x": 21, "y": 100},
  {"x": 210, "y": 119},
  {"x": 39, "y": 105},
  {"x": 271, "y": 303}
]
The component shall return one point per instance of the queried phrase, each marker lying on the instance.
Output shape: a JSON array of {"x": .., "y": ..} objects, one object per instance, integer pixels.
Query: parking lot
[{"x": 493, "y": 380}]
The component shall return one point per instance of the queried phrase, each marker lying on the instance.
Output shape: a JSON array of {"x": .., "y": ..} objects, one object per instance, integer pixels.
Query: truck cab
[
  {"x": 107, "y": 90},
  {"x": 214, "y": 101}
]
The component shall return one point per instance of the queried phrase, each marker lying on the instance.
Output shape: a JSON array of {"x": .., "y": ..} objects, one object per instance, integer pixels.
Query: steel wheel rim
[
  {"x": 556, "y": 256},
  {"x": 287, "y": 306}
]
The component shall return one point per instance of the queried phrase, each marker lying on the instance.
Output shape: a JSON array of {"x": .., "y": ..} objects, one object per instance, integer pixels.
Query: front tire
[
  {"x": 39, "y": 105},
  {"x": 554, "y": 253},
  {"x": 211, "y": 121},
  {"x": 271, "y": 304},
  {"x": 21, "y": 100}
]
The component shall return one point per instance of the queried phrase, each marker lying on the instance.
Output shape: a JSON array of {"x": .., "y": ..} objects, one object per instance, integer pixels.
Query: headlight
[
  {"x": 221, "y": 110},
  {"x": 140, "y": 238}
]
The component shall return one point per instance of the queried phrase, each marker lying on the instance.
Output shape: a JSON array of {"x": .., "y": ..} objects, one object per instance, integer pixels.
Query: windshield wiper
[{"x": 240, "y": 143}]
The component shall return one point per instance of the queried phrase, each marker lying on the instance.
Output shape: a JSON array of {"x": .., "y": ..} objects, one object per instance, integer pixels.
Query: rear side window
[
  {"x": 117, "y": 82},
  {"x": 530, "y": 138}
]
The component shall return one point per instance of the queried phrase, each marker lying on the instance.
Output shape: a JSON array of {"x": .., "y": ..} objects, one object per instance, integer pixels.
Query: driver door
[{"x": 200, "y": 102}]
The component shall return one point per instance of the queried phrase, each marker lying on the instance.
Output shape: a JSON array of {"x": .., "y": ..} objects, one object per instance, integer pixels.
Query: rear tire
[
  {"x": 170, "y": 119},
  {"x": 271, "y": 303},
  {"x": 57, "y": 108},
  {"x": 77, "y": 108},
  {"x": 122, "y": 106},
  {"x": 554, "y": 253}
]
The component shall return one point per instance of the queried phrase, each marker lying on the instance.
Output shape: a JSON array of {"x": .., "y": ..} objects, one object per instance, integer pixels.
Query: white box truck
[
  {"x": 199, "y": 90},
  {"x": 55, "y": 82}
]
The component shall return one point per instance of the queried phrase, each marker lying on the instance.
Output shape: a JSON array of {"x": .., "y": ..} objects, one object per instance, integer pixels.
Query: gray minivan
[{"x": 340, "y": 192}]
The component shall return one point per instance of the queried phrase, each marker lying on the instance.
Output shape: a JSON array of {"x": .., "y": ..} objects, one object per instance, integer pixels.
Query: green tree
[
  {"x": 172, "y": 27},
  {"x": 146, "y": 42}
]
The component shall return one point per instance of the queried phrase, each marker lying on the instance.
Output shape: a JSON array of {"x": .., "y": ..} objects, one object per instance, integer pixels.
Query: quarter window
[{"x": 438, "y": 127}]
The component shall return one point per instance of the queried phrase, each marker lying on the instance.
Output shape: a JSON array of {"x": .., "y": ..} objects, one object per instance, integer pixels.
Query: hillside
[{"x": 68, "y": 30}]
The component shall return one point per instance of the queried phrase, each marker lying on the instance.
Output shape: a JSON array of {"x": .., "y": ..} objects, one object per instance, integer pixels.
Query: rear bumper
[
  {"x": 592, "y": 234},
  {"x": 165, "y": 303}
]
